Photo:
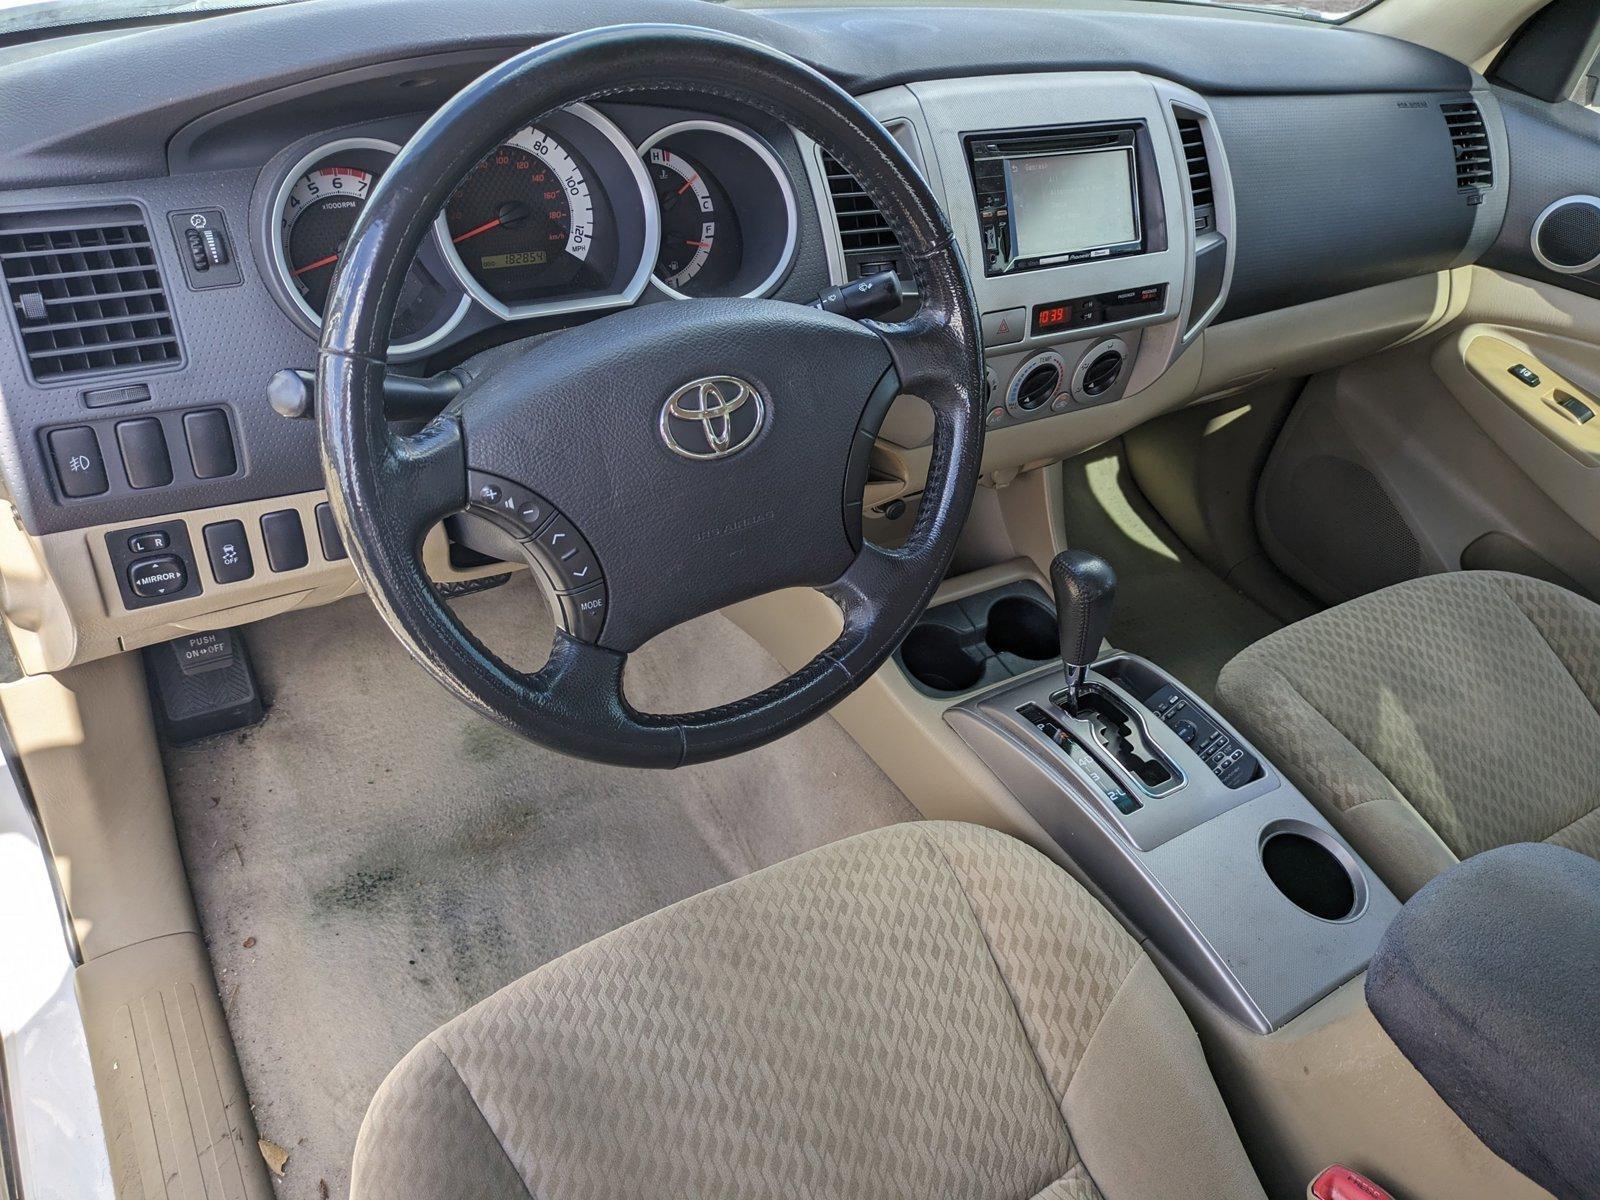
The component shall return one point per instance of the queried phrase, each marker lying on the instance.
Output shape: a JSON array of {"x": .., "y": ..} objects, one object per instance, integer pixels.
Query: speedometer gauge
[
  {"x": 556, "y": 219},
  {"x": 523, "y": 222},
  {"x": 314, "y": 210}
]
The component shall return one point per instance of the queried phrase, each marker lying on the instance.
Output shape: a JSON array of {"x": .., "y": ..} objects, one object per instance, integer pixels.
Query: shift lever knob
[{"x": 1085, "y": 587}]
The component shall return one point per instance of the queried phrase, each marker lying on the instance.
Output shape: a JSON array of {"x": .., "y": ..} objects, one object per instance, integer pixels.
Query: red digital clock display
[{"x": 1051, "y": 316}]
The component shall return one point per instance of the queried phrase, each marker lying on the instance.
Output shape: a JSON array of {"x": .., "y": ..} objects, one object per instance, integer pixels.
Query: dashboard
[{"x": 1135, "y": 193}]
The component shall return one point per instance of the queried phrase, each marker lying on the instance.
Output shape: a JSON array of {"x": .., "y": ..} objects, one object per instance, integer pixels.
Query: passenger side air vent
[
  {"x": 86, "y": 293},
  {"x": 1194, "y": 155},
  {"x": 861, "y": 225},
  {"x": 1469, "y": 137}
]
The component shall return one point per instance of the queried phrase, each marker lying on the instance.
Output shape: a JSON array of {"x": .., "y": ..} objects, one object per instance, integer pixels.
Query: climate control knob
[{"x": 1036, "y": 383}]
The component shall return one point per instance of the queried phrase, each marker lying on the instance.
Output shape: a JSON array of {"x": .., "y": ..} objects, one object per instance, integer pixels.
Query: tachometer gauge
[
  {"x": 523, "y": 220},
  {"x": 727, "y": 211},
  {"x": 316, "y": 207},
  {"x": 701, "y": 247},
  {"x": 323, "y": 204}
]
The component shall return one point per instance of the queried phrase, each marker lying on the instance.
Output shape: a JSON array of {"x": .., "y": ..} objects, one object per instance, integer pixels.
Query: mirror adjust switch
[{"x": 152, "y": 577}]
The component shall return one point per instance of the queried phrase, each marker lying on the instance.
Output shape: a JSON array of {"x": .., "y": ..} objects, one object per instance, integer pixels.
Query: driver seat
[{"x": 927, "y": 1010}]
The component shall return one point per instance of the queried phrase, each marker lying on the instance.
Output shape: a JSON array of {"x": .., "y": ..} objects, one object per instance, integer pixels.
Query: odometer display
[{"x": 522, "y": 223}]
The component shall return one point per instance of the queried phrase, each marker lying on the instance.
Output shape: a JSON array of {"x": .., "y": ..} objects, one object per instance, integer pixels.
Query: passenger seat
[{"x": 1435, "y": 719}]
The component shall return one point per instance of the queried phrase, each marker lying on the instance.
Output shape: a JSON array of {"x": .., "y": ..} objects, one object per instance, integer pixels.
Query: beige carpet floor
[
  {"x": 375, "y": 858},
  {"x": 1170, "y": 607}
]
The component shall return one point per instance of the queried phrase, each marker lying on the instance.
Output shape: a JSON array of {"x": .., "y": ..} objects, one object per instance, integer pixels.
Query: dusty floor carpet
[
  {"x": 374, "y": 858},
  {"x": 1170, "y": 607}
]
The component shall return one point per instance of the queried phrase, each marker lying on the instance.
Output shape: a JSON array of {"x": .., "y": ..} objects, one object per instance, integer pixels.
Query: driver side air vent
[
  {"x": 86, "y": 293},
  {"x": 861, "y": 225},
  {"x": 1469, "y": 138}
]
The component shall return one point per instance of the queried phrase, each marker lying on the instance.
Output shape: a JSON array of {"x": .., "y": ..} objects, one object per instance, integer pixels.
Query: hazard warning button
[{"x": 1004, "y": 327}]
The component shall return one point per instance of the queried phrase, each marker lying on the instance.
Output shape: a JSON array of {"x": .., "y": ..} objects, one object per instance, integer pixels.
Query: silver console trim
[{"x": 1186, "y": 869}]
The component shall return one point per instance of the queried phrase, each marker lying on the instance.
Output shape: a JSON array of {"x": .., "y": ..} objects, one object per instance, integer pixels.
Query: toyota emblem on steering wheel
[{"x": 712, "y": 417}]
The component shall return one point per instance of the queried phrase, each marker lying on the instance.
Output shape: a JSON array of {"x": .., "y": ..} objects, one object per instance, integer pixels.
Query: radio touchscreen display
[{"x": 1069, "y": 203}]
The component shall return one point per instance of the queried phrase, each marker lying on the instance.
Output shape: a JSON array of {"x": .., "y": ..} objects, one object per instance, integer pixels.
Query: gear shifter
[{"x": 1085, "y": 587}]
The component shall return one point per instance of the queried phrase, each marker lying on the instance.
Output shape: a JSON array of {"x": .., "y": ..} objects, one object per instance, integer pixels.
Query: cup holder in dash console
[
  {"x": 1313, "y": 871},
  {"x": 981, "y": 640}
]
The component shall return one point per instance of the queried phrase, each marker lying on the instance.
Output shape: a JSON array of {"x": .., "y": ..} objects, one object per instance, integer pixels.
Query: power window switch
[
  {"x": 285, "y": 538},
  {"x": 1576, "y": 409},
  {"x": 1525, "y": 374},
  {"x": 79, "y": 465},
  {"x": 229, "y": 552}
]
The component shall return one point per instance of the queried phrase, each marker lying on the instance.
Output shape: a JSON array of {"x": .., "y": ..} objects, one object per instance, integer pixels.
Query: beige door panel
[
  {"x": 1557, "y": 452},
  {"x": 1524, "y": 383},
  {"x": 1416, "y": 460}
]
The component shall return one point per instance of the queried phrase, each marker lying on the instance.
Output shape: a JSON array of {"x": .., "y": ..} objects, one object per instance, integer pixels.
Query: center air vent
[
  {"x": 1469, "y": 138},
  {"x": 86, "y": 293},
  {"x": 861, "y": 226},
  {"x": 1103, "y": 373},
  {"x": 1099, "y": 371},
  {"x": 1194, "y": 155}
]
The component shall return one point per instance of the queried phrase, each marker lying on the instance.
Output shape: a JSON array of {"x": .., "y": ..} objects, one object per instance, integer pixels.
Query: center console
[
  {"x": 1165, "y": 809},
  {"x": 1096, "y": 213}
]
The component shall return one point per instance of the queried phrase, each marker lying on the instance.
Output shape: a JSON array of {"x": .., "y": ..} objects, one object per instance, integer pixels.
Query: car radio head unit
[{"x": 1053, "y": 197}]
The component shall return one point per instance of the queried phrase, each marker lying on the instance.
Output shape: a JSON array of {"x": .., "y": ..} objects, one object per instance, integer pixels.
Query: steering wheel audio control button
[
  {"x": 584, "y": 612},
  {"x": 509, "y": 505},
  {"x": 572, "y": 564}
]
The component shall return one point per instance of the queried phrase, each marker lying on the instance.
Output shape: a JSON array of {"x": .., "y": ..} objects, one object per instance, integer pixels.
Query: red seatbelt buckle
[{"x": 1341, "y": 1183}]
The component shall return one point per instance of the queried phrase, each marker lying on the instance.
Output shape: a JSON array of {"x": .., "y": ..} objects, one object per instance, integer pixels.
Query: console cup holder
[
  {"x": 1023, "y": 626},
  {"x": 935, "y": 655},
  {"x": 1313, "y": 871},
  {"x": 981, "y": 640}
]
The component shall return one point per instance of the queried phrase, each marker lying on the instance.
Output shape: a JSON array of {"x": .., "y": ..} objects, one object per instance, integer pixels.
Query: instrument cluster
[{"x": 565, "y": 216}]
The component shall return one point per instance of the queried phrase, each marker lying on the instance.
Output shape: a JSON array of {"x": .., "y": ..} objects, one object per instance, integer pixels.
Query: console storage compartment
[{"x": 1487, "y": 981}]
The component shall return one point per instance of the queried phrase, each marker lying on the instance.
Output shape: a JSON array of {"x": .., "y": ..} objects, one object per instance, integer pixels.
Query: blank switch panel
[
  {"x": 144, "y": 453},
  {"x": 285, "y": 537},
  {"x": 210, "y": 443}
]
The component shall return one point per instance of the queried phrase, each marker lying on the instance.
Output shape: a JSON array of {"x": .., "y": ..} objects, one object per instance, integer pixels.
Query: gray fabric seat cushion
[
  {"x": 1435, "y": 719},
  {"x": 927, "y": 1010}
]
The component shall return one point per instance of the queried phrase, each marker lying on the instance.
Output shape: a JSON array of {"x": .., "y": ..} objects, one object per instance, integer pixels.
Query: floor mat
[
  {"x": 1170, "y": 608},
  {"x": 375, "y": 858}
]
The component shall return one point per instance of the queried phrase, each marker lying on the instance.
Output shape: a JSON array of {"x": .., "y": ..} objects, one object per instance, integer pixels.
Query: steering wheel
[{"x": 689, "y": 454}]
